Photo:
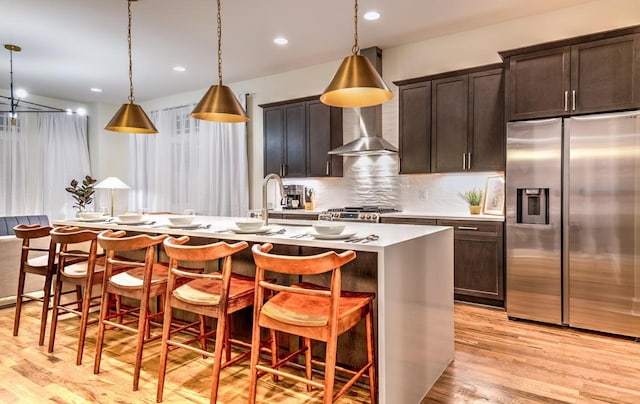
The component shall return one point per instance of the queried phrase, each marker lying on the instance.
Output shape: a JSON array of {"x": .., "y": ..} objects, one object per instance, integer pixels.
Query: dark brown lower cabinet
[{"x": 478, "y": 262}]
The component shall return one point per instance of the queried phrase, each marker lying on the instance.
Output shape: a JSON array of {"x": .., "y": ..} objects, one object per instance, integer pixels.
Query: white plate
[
  {"x": 263, "y": 229},
  {"x": 340, "y": 236},
  {"x": 184, "y": 226},
  {"x": 90, "y": 219},
  {"x": 132, "y": 222}
]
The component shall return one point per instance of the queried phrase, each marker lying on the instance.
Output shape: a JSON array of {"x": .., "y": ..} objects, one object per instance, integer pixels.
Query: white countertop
[{"x": 222, "y": 228}]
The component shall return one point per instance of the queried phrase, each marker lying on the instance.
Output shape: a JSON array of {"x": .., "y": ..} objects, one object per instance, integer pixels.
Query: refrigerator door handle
[
  {"x": 464, "y": 161},
  {"x": 573, "y": 100},
  {"x": 566, "y": 101}
]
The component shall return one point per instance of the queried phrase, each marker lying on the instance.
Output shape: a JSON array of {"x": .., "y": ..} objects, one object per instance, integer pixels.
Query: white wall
[{"x": 450, "y": 52}]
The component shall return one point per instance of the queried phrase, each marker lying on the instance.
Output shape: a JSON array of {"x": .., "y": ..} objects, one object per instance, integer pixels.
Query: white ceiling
[{"x": 69, "y": 46}]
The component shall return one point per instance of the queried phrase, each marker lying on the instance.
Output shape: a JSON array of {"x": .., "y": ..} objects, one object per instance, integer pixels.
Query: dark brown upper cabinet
[
  {"x": 298, "y": 134},
  {"x": 592, "y": 73},
  {"x": 453, "y": 122},
  {"x": 415, "y": 128}
]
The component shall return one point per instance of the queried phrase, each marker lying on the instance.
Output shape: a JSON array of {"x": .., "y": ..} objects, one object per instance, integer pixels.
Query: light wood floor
[{"x": 496, "y": 361}]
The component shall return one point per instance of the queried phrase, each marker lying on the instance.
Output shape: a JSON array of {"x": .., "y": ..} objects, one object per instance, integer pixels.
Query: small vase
[{"x": 474, "y": 209}]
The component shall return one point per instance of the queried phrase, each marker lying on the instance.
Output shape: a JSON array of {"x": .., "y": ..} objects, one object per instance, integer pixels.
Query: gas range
[{"x": 369, "y": 214}]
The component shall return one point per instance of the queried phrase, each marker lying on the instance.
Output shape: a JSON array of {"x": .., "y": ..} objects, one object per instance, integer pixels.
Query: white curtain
[
  {"x": 190, "y": 164},
  {"x": 39, "y": 156}
]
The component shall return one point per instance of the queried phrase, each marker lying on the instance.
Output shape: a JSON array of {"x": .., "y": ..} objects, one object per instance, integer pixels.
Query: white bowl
[
  {"x": 90, "y": 215},
  {"x": 328, "y": 228},
  {"x": 249, "y": 224},
  {"x": 180, "y": 220},
  {"x": 130, "y": 217}
]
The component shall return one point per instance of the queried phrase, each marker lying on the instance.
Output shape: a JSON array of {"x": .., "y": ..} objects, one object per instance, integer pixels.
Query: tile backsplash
[{"x": 374, "y": 180}]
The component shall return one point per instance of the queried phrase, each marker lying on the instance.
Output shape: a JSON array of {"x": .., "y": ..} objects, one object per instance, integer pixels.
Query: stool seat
[
  {"x": 79, "y": 269},
  {"x": 208, "y": 291},
  {"x": 311, "y": 311},
  {"x": 134, "y": 278}
]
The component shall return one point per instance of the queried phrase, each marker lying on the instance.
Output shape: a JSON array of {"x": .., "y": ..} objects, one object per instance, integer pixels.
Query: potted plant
[
  {"x": 474, "y": 198},
  {"x": 82, "y": 192}
]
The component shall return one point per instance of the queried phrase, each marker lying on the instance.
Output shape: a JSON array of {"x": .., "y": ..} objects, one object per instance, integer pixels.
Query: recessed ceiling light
[
  {"x": 96, "y": 90},
  {"x": 280, "y": 40},
  {"x": 21, "y": 93},
  {"x": 371, "y": 15},
  {"x": 180, "y": 69}
]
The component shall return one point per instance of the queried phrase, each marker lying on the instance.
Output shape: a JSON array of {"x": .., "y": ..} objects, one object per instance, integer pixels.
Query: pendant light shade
[
  {"x": 356, "y": 83},
  {"x": 131, "y": 118},
  {"x": 219, "y": 104}
]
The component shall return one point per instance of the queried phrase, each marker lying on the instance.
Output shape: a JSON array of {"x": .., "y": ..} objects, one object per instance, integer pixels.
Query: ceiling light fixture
[
  {"x": 96, "y": 90},
  {"x": 219, "y": 104},
  {"x": 15, "y": 97},
  {"x": 356, "y": 83},
  {"x": 280, "y": 41},
  {"x": 131, "y": 118},
  {"x": 371, "y": 15},
  {"x": 180, "y": 69}
]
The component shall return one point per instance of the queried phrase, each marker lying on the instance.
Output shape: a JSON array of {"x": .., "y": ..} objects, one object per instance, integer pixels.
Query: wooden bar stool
[
  {"x": 148, "y": 279},
  {"x": 43, "y": 265},
  {"x": 311, "y": 312},
  {"x": 82, "y": 274},
  {"x": 216, "y": 295}
]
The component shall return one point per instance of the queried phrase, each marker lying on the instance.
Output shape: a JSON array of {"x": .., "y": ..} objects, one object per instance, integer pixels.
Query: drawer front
[
  {"x": 408, "y": 220},
  {"x": 470, "y": 227}
]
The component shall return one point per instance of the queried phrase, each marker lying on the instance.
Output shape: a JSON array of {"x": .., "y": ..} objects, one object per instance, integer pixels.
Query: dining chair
[
  {"x": 85, "y": 274},
  {"x": 312, "y": 312},
  {"x": 42, "y": 265},
  {"x": 217, "y": 294},
  {"x": 147, "y": 279}
]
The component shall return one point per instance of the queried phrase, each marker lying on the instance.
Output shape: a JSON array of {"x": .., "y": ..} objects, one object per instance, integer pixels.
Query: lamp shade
[
  {"x": 111, "y": 183},
  {"x": 131, "y": 118},
  {"x": 221, "y": 105},
  {"x": 356, "y": 84}
]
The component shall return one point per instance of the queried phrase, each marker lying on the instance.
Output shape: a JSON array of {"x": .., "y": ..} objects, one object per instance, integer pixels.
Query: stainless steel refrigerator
[{"x": 573, "y": 221}]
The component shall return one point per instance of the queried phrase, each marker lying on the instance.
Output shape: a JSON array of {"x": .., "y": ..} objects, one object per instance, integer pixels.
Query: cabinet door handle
[
  {"x": 464, "y": 161},
  {"x": 469, "y": 161},
  {"x": 328, "y": 168},
  {"x": 566, "y": 101},
  {"x": 468, "y": 228},
  {"x": 285, "y": 170},
  {"x": 573, "y": 100}
]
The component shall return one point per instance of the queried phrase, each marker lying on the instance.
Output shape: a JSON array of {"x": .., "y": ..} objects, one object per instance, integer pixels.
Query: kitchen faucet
[{"x": 264, "y": 212}]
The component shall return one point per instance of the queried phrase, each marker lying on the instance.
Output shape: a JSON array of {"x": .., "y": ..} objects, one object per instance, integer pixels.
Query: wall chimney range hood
[{"x": 370, "y": 141}]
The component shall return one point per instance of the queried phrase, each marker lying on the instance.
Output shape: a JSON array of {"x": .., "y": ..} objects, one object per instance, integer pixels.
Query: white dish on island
[
  {"x": 250, "y": 224},
  {"x": 191, "y": 225},
  {"x": 90, "y": 219},
  {"x": 180, "y": 220},
  {"x": 132, "y": 222},
  {"x": 263, "y": 229},
  {"x": 341, "y": 236}
]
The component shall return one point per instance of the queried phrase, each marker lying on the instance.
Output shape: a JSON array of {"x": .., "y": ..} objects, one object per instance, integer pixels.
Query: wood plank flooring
[{"x": 496, "y": 361}]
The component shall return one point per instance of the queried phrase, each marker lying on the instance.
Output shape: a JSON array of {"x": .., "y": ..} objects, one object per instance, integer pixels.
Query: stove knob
[{"x": 367, "y": 216}]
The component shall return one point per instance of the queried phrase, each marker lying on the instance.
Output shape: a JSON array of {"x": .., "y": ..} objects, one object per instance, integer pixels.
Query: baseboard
[{"x": 11, "y": 300}]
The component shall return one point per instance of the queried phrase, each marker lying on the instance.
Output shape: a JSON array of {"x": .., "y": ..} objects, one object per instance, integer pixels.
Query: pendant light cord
[
  {"x": 12, "y": 101},
  {"x": 131, "y": 97},
  {"x": 355, "y": 48},
  {"x": 219, "y": 46}
]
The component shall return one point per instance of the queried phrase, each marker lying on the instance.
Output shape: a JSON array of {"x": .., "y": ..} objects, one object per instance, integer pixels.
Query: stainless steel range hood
[
  {"x": 365, "y": 145},
  {"x": 370, "y": 141}
]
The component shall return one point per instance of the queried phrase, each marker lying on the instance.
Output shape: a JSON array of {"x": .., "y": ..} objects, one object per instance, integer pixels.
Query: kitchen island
[{"x": 409, "y": 267}]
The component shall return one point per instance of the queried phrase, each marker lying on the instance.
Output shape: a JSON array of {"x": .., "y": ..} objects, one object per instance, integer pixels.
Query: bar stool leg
[
  {"x": 307, "y": 360},
  {"x": 54, "y": 314},
  {"x": 227, "y": 336},
  {"x": 84, "y": 320},
  {"x": 255, "y": 357},
  {"x": 164, "y": 352},
  {"x": 79, "y": 297},
  {"x": 370, "y": 355},
  {"x": 143, "y": 328},
  {"x": 45, "y": 308},
  {"x": 16, "y": 320},
  {"x": 203, "y": 332},
  {"x": 104, "y": 308},
  {"x": 330, "y": 368},
  {"x": 274, "y": 353},
  {"x": 221, "y": 341}
]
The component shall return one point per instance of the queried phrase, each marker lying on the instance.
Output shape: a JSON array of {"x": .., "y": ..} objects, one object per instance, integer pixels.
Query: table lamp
[{"x": 112, "y": 183}]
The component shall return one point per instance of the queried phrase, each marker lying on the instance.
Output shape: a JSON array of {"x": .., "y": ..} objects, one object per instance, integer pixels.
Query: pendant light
[
  {"x": 219, "y": 104},
  {"x": 131, "y": 118},
  {"x": 356, "y": 83}
]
